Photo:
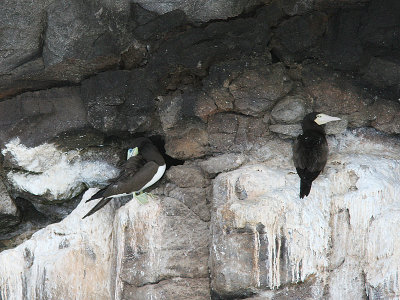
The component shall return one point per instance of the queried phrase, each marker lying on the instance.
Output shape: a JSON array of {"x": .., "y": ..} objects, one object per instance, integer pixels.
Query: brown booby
[
  {"x": 310, "y": 150},
  {"x": 144, "y": 166}
]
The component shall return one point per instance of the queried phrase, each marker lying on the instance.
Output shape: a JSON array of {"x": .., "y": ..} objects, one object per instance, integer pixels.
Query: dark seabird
[
  {"x": 144, "y": 166},
  {"x": 310, "y": 150}
]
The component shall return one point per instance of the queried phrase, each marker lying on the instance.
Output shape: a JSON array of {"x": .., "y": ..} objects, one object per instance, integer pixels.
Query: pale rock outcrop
[
  {"x": 67, "y": 260},
  {"x": 52, "y": 174},
  {"x": 265, "y": 237},
  {"x": 112, "y": 256},
  {"x": 338, "y": 243},
  {"x": 162, "y": 241}
]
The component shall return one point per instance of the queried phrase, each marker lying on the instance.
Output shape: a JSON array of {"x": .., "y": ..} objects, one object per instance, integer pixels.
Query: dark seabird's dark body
[
  {"x": 137, "y": 174},
  {"x": 310, "y": 152}
]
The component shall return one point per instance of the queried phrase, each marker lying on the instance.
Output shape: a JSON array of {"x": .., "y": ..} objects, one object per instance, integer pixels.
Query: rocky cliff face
[{"x": 222, "y": 87}]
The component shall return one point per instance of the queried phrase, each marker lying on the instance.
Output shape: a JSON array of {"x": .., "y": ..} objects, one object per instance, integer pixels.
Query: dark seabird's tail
[
  {"x": 306, "y": 179},
  {"x": 99, "y": 205},
  {"x": 305, "y": 187}
]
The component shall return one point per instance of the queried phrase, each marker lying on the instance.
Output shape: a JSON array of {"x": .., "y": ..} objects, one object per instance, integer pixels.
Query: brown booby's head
[{"x": 147, "y": 150}]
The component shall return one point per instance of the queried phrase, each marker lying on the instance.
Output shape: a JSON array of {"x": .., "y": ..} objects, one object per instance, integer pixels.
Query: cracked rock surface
[{"x": 221, "y": 87}]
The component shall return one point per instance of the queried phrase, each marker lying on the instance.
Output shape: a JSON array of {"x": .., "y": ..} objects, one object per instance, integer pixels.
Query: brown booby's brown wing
[
  {"x": 131, "y": 166},
  {"x": 131, "y": 181}
]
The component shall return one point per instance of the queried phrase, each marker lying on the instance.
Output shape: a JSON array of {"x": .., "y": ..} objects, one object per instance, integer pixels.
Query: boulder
[
  {"x": 290, "y": 130},
  {"x": 85, "y": 31},
  {"x": 299, "y": 35},
  {"x": 290, "y": 109},
  {"x": 222, "y": 163}
]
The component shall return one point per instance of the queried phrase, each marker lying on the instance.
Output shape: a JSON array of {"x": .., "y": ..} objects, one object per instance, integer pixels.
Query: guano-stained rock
[
  {"x": 67, "y": 260},
  {"x": 112, "y": 255},
  {"x": 45, "y": 173},
  {"x": 260, "y": 227}
]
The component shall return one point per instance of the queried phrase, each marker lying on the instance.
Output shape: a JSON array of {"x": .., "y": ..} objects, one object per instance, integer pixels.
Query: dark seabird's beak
[{"x": 323, "y": 119}]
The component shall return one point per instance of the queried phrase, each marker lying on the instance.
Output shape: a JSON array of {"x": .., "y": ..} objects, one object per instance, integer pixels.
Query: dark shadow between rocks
[{"x": 31, "y": 220}]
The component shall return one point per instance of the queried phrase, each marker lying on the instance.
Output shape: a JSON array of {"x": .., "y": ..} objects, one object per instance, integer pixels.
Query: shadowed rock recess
[{"x": 221, "y": 86}]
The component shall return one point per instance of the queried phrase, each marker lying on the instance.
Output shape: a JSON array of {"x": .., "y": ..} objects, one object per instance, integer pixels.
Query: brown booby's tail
[
  {"x": 102, "y": 202},
  {"x": 98, "y": 195},
  {"x": 305, "y": 188}
]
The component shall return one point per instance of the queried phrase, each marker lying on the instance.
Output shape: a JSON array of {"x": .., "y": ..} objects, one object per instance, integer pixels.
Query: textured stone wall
[{"x": 224, "y": 87}]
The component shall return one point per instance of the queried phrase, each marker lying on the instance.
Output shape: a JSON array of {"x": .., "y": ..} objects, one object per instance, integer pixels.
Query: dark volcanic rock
[
  {"x": 342, "y": 46},
  {"x": 246, "y": 86},
  {"x": 186, "y": 142},
  {"x": 187, "y": 176},
  {"x": 134, "y": 56},
  {"x": 38, "y": 116},
  {"x": 345, "y": 38},
  {"x": 202, "y": 10},
  {"x": 231, "y": 132},
  {"x": 191, "y": 53},
  {"x": 256, "y": 91},
  {"x": 381, "y": 31},
  {"x": 298, "y": 35},
  {"x": 84, "y": 30},
  {"x": 152, "y": 26},
  {"x": 384, "y": 73},
  {"x": 21, "y": 28},
  {"x": 169, "y": 109},
  {"x": 60, "y": 42},
  {"x": 222, "y": 163},
  {"x": 119, "y": 101},
  {"x": 386, "y": 116},
  {"x": 295, "y": 7},
  {"x": 289, "y": 130},
  {"x": 21, "y": 40},
  {"x": 222, "y": 94},
  {"x": 337, "y": 95}
]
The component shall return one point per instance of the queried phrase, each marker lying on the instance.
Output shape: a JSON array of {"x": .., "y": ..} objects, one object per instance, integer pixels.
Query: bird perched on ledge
[
  {"x": 144, "y": 166},
  {"x": 310, "y": 150}
]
